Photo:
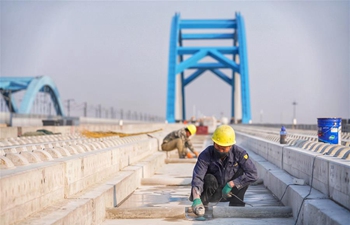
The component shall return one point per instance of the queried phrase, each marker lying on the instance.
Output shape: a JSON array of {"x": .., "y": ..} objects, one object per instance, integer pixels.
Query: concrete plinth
[
  {"x": 171, "y": 160},
  {"x": 252, "y": 212},
  {"x": 146, "y": 212},
  {"x": 166, "y": 181}
]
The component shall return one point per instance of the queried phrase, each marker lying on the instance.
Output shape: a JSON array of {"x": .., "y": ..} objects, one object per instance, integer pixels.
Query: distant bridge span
[{"x": 32, "y": 86}]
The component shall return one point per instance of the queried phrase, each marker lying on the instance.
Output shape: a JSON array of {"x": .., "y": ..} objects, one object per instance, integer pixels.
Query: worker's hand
[
  {"x": 196, "y": 153},
  {"x": 225, "y": 192},
  {"x": 198, "y": 207}
]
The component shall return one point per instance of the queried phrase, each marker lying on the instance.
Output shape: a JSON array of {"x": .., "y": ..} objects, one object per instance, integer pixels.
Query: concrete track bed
[{"x": 166, "y": 203}]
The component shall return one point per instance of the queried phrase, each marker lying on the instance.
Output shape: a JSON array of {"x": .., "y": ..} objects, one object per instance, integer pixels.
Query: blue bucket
[{"x": 329, "y": 130}]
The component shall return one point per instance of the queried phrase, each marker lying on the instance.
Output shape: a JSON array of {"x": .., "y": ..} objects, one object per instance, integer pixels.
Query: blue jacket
[{"x": 237, "y": 159}]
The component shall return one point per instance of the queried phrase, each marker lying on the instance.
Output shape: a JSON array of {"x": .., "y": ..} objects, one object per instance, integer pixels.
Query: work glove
[
  {"x": 196, "y": 153},
  {"x": 198, "y": 207},
  {"x": 226, "y": 191}
]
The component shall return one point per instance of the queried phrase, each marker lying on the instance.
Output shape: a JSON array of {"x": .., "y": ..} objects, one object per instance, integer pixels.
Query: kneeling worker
[
  {"x": 179, "y": 140},
  {"x": 222, "y": 173}
]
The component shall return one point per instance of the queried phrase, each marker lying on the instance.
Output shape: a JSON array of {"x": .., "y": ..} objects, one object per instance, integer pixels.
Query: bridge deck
[
  {"x": 170, "y": 187},
  {"x": 77, "y": 180}
]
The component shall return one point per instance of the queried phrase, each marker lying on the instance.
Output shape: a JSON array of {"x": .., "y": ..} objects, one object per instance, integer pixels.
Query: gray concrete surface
[
  {"x": 252, "y": 212},
  {"x": 163, "y": 197},
  {"x": 218, "y": 221},
  {"x": 117, "y": 174}
]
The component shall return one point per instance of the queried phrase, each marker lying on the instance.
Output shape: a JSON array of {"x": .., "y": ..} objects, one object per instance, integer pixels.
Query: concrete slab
[
  {"x": 221, "y": 221},
  {"x": 252, "y": 212},
  {"x": 162, "y": 180},
  {"x": 174, "y": 160},
  {"x": 164, "y": 199},
  {"x": 146, "y": 213}
]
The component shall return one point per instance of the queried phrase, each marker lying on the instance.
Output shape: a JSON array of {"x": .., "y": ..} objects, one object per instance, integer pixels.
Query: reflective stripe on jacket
[{"x": 237, "y": 158}]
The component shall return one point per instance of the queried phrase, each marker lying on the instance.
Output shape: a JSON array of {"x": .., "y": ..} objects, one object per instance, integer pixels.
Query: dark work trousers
[
  {"x": 175, "y": 144},
  {"x": 212, "y": 192}
]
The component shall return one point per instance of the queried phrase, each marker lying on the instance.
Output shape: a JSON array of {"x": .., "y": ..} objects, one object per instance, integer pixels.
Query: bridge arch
[
  {"x": 179, "y": 62},
  {"x": 32, "y": 86}
]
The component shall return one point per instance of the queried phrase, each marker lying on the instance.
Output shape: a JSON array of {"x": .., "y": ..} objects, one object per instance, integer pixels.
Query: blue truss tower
[
  {"x": 32, "y": 86},
  {"x": 182, "y": 58}
]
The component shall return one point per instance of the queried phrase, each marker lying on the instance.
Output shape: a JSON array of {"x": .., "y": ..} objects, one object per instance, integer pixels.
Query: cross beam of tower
[{"x": 183, "y": 58}]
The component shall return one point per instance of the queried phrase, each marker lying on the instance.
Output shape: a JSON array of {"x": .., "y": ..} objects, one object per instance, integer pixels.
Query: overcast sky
[{"x": 115, "y": 53}]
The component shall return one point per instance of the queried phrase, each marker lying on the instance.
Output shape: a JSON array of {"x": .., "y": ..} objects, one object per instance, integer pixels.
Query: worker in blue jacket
[{"x": 222, "y": 173}]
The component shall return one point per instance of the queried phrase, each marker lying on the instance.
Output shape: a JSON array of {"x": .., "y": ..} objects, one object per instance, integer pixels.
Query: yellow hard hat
[
  {"x": 224, "y": 135},
  {"x": 192, "y": 129}
]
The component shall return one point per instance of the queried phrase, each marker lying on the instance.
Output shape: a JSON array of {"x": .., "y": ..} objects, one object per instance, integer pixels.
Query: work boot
[{"x": 189, "y": 155}]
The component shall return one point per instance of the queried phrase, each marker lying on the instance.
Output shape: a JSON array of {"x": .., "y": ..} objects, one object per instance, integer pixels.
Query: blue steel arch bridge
[
  {"x": 27, "y": 96},
  {"x": 32, "y": 86},
  {"x": 186, "y": 58}
]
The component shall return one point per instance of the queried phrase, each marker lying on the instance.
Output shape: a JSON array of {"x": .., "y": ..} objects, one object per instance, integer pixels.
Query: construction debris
[{"x": 100, "y": 134}]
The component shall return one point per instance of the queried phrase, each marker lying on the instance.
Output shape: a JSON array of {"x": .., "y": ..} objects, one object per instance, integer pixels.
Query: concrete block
[
  {"x": 279, "y": 183},
  {"x": 166, "y": 181},
  {"x": 125, "y": 183},
  {"x": 64, "y": 152},
  {"x": 77, "y": 211},
  {"x": 31, "y": 156},
  {"x": 72, "y": 150},
  {"x": 330, "y": 175},
  {"x": 255, "y": 157},
  {"x": 294, "y": 198},
  {"x": 122, "y": 153},
  {"x": 252, "y": 212},
  {"x": 141, "y": 149},
  {"x": 303, "y": 164},
  {"x": 54, "y": 153},
  {"x": 27, "y": 192},
  {"x": 8, "y": 132},
  {"x": 87, "y": 170},
  {"x": 339, "y": 182},
  {"x": 94, "y": 200},
  {"x": 268, "y": 150},
  {"x": 17, "y": 159},
  {"x": 175, "y": 212},
  {"x": 78, "y": 148},
  {"x": 44, "y": 156},
  {"x": 98, "y": 145},
  {"x": 74, "y": 173},
  {"x": 177, "y": 160},
  {"x": 6, "y": 163},
  {"x": 87, "y": 147},
  {"x": 274, "y": 153},
  {"x": 102, "y": 198},
  {"x": 324, "y": 211},
  {"x": 151, "y": 164},
  {"x": 95, "y": 162},
  {"x": 263, "y": 168}
]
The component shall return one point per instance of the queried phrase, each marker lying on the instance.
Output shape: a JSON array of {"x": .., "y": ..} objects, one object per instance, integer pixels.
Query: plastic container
[
  {"x": 283, "y": 135},
  {"x": 329, "y": 130}
]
